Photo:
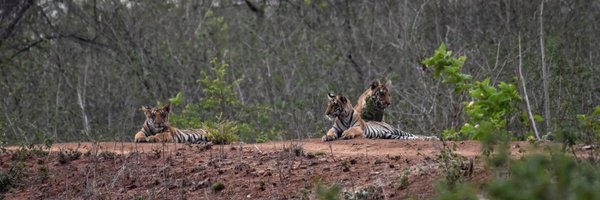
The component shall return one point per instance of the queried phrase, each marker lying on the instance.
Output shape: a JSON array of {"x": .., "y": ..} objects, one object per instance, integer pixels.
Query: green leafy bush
[
  {"x": 217, "y": 187},
  {"x": 323, "y": 192},
  {"x": 24, "y": 153},
  {"x": 403, "y": 180},
  {"x": 443, "y": 61},
  {"x": 219, "y": 99},
  {"x": 490, "y": 107},
  {"x": 455, "y": 169},
  {"x": 223, "y": 131},
  {"x": 373, "y": 192},
  {"x": 550, "y": 175},
  {"x": 221, "y": 112},
  {"x": 10, "y": 177},
  {"x": 590, "y": 126}
]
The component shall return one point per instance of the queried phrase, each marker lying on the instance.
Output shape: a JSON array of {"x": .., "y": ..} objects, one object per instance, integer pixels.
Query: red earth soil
[{"x": 275, "y": 170}]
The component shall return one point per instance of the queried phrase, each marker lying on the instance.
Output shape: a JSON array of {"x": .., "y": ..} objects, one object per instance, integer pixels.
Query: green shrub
[
  {"x": 219, "y": 98},
  {"x": 590, "y": 126},
  {"x": 221, "y": 107},
  {"x": 371, "y": 192},
  {"x": 222, "y": 132},
  {"x": 266, "y": 136},
  {"x": 453, "y": 167},
  {"x": 462, "y": 191},
  {"x": 27, "y": 152},
  {"x": 323, "y": 192},
  {"x": 550, "y": 175},
  {"x": 42, "y": 172},
  {"x": 198, "y": 168},
  {"x": 491, "y": 106},
  {"x": 443, "y": 61},
  {"x": 6, "y": 181},
  {"x": 557, "y": 176},
  {"x": 217, "y": 187},
  {"x": 303, "y": 194},
  {"x": 403, "y": 180},
  {"x": 10, "y": 177}
]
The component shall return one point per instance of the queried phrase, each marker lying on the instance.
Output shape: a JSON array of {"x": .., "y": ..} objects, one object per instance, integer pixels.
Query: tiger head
[
  {"x": 381, "y": 93},
  {"x": 338, "y": 106},
  {"x": 157, "y": 119}
]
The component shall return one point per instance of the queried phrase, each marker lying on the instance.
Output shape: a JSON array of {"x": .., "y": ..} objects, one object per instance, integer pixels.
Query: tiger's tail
[{"x": 383, "y": 130}]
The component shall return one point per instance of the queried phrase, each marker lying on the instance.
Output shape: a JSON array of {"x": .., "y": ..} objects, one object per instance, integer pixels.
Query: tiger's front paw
[
  {"x": 152, "y": 139},
  {"x": 347, "y": 137},
  {"x": 140, "y": 140},
  {"x": 326, "y": 138}
]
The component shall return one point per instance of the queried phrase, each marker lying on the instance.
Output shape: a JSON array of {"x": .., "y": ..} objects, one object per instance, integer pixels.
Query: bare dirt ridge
[{"x": 274, "y": 170}]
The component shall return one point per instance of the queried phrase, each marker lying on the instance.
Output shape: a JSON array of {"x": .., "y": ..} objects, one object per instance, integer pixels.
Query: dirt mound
[{"x": 275, "y": 170}]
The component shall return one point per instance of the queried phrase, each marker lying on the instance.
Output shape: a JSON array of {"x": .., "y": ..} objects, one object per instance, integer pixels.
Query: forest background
[{"x": 82, "y": 70}]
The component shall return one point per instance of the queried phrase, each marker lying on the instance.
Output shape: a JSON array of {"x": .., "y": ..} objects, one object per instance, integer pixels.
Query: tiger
[
  {"x": 156, "y": 128},
  {"x": 348, "y": 124},
  {"x": 373, "y": 101}
]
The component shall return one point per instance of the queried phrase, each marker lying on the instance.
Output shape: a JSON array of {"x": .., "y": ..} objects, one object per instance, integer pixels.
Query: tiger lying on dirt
[
  {"x": 348, "y": 124},
  {"x": 156, "y": 128}
]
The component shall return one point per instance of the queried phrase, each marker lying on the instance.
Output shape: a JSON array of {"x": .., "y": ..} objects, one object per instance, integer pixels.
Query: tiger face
[
  {"x": 337, "y": 106},
  {"x": 380, "y": 93},
  {"x": 157, "y": 119}
]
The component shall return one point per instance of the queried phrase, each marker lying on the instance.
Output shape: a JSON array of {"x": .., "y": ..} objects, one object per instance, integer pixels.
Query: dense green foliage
[
  {"x": 12, "y": 173},
  {"x": 8, "y": 178},
  {"x": 324, "y": 192},
  {"x": 555, "y": 175},
  {"x": 558, "y": 176},
  {"x": 590, "y": 126},
  {"x": 538, "y": 176},
  {"x": 443, "y": 61},
  {"x": 490, "y": 107}
]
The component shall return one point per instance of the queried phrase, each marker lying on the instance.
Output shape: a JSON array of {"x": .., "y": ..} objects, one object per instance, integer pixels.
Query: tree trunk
[{"x": 545, "y": 75}]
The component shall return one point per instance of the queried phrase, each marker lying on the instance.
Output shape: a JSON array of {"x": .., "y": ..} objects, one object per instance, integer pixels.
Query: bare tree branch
[
  {"x": 254, "y": 8},
  {"x": 10, "y": 29}
]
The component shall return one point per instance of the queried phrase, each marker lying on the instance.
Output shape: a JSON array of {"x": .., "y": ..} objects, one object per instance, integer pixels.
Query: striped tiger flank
[{"x": 194, "y": 136}]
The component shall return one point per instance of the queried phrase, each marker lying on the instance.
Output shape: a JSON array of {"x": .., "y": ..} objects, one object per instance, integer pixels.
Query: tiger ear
[
  {"x": 375, "y": 84},
  {"x": 167, "y": 108},
  {"x": 330, "y": 96},
  {"x": 388, "y": 83},
  {"x": 145, "y": 109},
  {"x": 343, "y": 99}
]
